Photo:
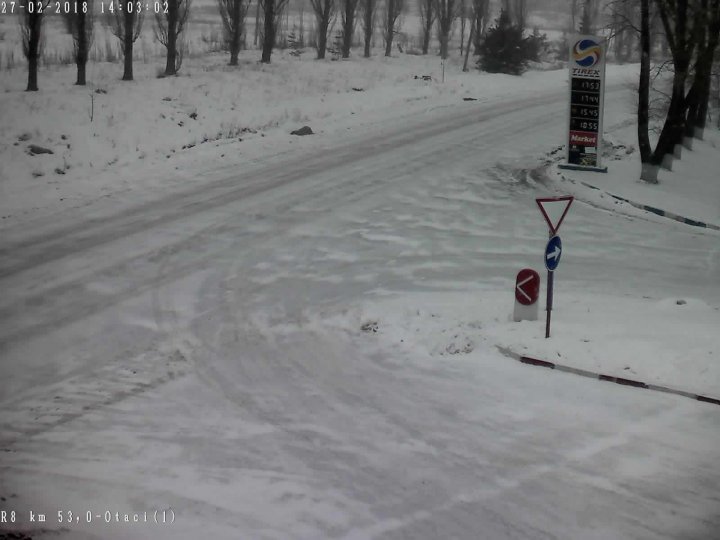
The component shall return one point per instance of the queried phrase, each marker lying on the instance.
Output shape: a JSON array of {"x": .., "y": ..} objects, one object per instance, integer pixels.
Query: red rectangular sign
[{"x": 583, "y": 138}]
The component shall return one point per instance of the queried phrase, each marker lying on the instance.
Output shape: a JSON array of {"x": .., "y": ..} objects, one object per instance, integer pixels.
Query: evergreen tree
[{"x": 505, "y": 50}]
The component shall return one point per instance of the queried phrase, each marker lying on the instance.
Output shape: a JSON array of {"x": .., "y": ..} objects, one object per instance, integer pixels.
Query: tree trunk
[
  {"x": 388, "y": 45},
  {"x": 681, "y": 46},
  {"x": 172, "y": 24},
  {"x": 703, "y": 70},
  {"x": 32, "y": 85},
  {"x": 348, "y": 27},
  {"x": 644, "y": 87},
  {"x": 463, "y": 26},
  {"x": 82, "y": 48},
  {"x": 368, "y": 18},
  {"x": 128, "y": 44},
  {"x": 369, "y": 7},
  {"x": 269, "y": 31},
  {"x": 477, "y": 26},
  {"x": 389, "y": 27},
  {"x": 673, "y": 129},
  {"x": 444, "y": 45},
  {"x": 34, "y": 26},
  {"x": 467, "y": 49},
  {"x": 236, "y": 33},
  {"x": 322, "y": 38},
  {"x": 257, "y": 22},
  {"x": 426, "y": 38},
  {"x": 701, "y": 113},
  {"x": 427, "y": 25}
]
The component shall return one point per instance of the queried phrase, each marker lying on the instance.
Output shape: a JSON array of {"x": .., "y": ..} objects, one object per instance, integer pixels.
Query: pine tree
[
  {"x": 295, "y": 45},
  {"x": 504, "y": 50}
]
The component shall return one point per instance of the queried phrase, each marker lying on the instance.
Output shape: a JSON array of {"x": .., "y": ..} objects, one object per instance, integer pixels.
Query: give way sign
[{"x": 554, "y": 210}]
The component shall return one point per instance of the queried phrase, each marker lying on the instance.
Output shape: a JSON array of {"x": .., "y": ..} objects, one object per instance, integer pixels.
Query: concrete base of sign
[
  {"x": 688, "y": 142},
  {"x": 571, "y": 167},
  {"x": 649, "y": 173},
  {"x": 667, "y": 162},
  {"x": 525, "y": 313},
  {"x": 699, "y": 133},
  {"x": 677, "y": 151}
]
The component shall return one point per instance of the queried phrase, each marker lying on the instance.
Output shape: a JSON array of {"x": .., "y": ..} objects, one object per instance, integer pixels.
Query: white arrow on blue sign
[{"x": 553, "y": 250}]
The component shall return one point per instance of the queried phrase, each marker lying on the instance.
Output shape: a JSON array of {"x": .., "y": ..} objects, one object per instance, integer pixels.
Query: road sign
[
  {"x": 553, "y": 251},
  {"x": 554, "y": 210},
  {"x": 527, "y": 286},
  {"x": 587, "y": 96},
  {"x": 527, "y": 291}
]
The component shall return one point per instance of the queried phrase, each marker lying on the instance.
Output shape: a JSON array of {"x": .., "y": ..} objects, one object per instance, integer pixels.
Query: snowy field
[{"x": 268, "y": 336}]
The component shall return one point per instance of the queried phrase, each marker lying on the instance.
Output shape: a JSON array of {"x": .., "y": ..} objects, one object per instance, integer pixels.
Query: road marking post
[{"x": 527, "y": 291}]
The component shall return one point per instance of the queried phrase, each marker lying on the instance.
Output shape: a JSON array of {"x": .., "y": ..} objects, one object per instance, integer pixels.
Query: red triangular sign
[{"x": 554, "y": 210}]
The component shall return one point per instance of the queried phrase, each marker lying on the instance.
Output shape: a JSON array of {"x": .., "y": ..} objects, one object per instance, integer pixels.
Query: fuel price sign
[{"x": 587, "y": 86}]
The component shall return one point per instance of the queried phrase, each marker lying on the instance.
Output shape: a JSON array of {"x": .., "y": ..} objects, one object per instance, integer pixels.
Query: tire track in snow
[
  {"x": 46, "y": 247},
  {"x": 76, "y": 297},
  {"x": 37, "y": 313}
]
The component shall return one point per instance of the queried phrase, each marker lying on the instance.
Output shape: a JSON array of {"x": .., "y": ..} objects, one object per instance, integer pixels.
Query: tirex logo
[
  {"x": 586, "y": 53},
  {"x": 583, "y": 138}
]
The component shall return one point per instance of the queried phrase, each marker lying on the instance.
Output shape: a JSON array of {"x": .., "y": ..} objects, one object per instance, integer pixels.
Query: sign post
[
  {"x": 554, "y": 210},
  {"x": 587, "y": 99},
  {"x": 553, "y": 250}
]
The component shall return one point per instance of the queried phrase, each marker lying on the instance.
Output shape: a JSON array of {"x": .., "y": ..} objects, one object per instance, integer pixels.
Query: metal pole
[
  {"x": 548, "y": 307},
  {"x": 548, "y": 304}
]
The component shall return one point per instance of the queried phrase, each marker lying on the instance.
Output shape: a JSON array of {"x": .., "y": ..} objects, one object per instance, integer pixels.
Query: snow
[
  {"x": 667, "y": 341},
  {"x": 209, "y": 112},
  {"x": 689, "y": 190},
  {"x": 288, "y": 337}
]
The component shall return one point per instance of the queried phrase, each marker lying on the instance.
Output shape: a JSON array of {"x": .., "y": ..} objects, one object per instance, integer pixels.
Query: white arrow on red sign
[
  {"x": 527, "y": 286},
  {"x": 554, "y": 210},
  {"x": 521, "y": 291}
]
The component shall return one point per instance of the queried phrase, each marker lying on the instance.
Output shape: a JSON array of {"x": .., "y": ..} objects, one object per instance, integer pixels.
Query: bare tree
[
  {"x": 168, "y": 27},
  {"x": 325, "y": 12},
  {"x": 626, "y": 31},
  {"x": 126, "y": 24},
  {"x": 465, "y": 10},
  {"x": 272, "y": 13},
  {"x": 680, "y": 29},
  {"x": 573, "y": 16},
  {"x": 31, "y": 23},
  {"x": 257, "y": 22},
  {"x": 79, "y": 25},
  {"x": 369, "y": 8},
  {"x": 480, "y": 17},
  {"x": 393, "y": 10},
  {"x": 233, "y": 13},
  {"x": 447, "y": 11},
  {"x": 647, "y": 173},
  {"x": 467, "y": 49},
  {"x": 590, "y": 15},
  {"x": 698, "y": 98},
  {"x": 427, "y": 21},
  {"x": 348, "y": 12},
  {"x": 623, "y": 27}
]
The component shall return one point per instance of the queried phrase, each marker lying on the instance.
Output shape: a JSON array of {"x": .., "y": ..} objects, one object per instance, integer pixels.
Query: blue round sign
[{"x": 553, "y": 251}]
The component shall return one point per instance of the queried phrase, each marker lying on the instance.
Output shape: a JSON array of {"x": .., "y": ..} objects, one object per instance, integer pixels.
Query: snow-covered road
[{"x": 184, "y": 352}]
